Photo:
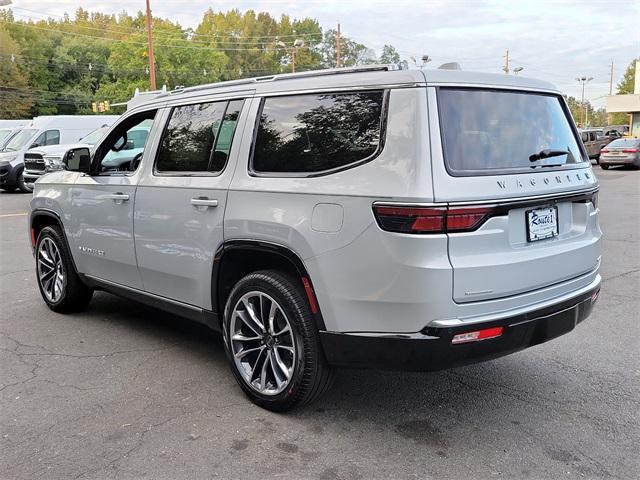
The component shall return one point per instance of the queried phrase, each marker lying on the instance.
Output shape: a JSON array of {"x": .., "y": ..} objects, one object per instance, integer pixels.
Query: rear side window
[
  {"x": 318, "y": 133},
  {"x": 198, "y": 137},
  {"x": 488, "y": 132}
]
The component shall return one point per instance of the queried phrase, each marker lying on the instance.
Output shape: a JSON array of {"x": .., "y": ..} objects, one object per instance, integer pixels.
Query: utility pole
[
  {"x": 152, "y": 63},
  {"x": 338, "y": 48},
  {"x": 505, "y": 69},
  {"x": 611, "y": 80},
  {"x": 609, "y": 117}
]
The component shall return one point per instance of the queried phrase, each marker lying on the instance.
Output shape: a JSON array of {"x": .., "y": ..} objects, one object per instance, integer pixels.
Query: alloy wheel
[
  {"x": 51, "y": 273},
  {"x": 262, "y": 343}
]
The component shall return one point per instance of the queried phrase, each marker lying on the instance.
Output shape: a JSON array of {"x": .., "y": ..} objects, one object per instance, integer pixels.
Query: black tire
[
  {"x": 74, "y": 295},
  {"x": 8, "y": 189},
  {"x": 604, "y": 167},
  {"x": 310, "y": 376},
  {"x": 20, "y": 182}
]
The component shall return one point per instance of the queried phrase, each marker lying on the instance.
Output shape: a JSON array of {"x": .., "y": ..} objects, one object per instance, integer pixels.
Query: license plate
[{"x": 542, "y": 223}]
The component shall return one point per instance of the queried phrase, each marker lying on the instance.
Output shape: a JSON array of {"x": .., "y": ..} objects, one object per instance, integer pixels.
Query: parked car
[
  {"x": 41, "y": 160},
  {"x": 624, "y": 151},
  {"x": 622, "y": 130},
  {"x": 593, "y": 140},
  {"x": 363, "y": 217},
  {"x": 44, "y": 130}
]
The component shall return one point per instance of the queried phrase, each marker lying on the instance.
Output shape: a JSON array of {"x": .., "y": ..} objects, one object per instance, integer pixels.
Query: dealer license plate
[{"x": 542, "y": 223}]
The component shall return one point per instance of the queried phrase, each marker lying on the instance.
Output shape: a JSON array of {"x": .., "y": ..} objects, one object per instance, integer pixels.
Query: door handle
[
  {"x": 204, "y": 202},
  {"x": 119, "y": 197}
]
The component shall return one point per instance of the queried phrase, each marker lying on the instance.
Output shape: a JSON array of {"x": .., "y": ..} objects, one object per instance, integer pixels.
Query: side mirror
[
  {"x": 34, "y": 145},
  {"x": 78, "y": 160}
]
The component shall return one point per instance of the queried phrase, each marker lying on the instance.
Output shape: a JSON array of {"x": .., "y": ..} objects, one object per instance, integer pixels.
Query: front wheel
[
  {"x": 604, "y": 167},
  {"x": 24, "y": 187},
  {"x": 272, "y": 342},
  {"x": 61, "y": 288}
]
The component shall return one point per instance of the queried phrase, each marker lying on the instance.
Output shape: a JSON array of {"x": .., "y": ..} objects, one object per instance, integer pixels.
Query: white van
[{"x": 44, "y": 130}]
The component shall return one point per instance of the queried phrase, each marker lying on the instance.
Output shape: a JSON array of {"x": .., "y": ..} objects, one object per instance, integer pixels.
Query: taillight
[
  {"x": 403, "y": 219},
  {"x": 630, "y": 150},
  {"x": 604, "y": 151}
]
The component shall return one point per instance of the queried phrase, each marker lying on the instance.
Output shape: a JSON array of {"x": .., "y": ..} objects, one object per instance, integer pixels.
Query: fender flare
[{"x": 264, "y": 247}]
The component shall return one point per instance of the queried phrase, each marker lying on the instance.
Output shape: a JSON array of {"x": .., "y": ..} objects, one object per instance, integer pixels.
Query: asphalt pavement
[{"x": 123, "y": 391}]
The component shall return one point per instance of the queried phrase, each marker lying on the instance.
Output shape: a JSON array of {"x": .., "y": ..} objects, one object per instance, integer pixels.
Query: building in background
[{"x": 629, "y": 104}]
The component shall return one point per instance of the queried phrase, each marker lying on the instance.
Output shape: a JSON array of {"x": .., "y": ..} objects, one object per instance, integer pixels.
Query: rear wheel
[
  {"x": 60, "y": 285},
  {"x": 272, "y": 342}
]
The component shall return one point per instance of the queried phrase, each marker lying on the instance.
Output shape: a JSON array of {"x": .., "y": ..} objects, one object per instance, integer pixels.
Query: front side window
[
  {"x": 52, "y": 137},
  {"x": 500, "y": 131},
  {"x": 123, "y": 148},
  {"x": 198, "y": 137},
  {"x": 315, "y": 133}
]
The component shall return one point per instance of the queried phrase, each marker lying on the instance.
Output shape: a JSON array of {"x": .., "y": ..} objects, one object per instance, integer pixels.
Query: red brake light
[
  {"x": 430, "y": 219},
  {"x": 630, "y": 150},
  {"x": 464, "y": 219},
  {"x": 604, "y": 151}
]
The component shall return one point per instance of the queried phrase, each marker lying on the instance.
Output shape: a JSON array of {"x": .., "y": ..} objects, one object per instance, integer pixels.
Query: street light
[
  {"x": 583, "y": 81},
  {"x": 298, "y": 43}
]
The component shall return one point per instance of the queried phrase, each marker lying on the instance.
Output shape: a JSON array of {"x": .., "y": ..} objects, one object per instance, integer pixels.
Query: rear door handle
[
  {"x": 119, "y": 197},
  {"x": 204, "y": 202}
]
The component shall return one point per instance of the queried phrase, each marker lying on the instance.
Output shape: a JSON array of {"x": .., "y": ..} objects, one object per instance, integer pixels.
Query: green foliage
[
  {"x": 63, "y": 65},
  {"x": 15, "y": 100}
]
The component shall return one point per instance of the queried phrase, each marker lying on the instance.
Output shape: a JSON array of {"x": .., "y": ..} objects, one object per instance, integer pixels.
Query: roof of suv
[{"x": 362, "y": 76}]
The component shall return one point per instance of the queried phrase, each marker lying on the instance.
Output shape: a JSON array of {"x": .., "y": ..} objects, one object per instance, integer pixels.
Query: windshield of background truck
[
  {"x": 501, "y": 131},
  {"x": 21, "y": 139},
  {"x": 4, "y": 134}
]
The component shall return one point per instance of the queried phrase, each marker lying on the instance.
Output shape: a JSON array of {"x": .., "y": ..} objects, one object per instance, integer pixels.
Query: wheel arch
[
  {"x": 41, "y": 218},
  {"x": 236, "y": 258}
]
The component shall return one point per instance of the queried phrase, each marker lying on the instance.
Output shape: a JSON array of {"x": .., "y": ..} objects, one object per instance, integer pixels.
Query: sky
[{"x": 552, "y": 40}]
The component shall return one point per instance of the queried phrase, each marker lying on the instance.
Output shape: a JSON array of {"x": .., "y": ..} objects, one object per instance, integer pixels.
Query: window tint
[
  {"x": 485, "y": 131},
  {"x": 317, "y": 132},
  {"x": 225, "y": 136},
  {"x": 189, "y": 142},
  {"x": 584, "y": 136}
]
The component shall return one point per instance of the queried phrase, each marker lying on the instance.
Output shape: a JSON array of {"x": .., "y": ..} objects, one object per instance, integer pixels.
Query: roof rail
[{"x": 286, "y": 76}]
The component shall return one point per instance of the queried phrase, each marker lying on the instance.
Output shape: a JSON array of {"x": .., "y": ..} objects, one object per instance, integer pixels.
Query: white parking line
[{"x": 14, "y": 214}]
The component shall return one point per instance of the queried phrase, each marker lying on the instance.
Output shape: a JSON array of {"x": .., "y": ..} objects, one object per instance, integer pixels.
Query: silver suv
[{"x": 364, "y": 217}]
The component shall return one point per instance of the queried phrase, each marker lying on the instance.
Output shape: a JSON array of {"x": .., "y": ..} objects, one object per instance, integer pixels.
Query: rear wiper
[{"x": 547, "y": 153}]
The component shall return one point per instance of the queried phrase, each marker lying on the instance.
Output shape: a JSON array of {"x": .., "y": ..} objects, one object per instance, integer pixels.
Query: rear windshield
[
  {"x": 489, "y": 132},
  {"x": 624, "y": 143}
]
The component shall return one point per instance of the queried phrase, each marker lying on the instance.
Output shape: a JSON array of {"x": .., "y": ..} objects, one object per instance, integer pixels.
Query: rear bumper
[
  {"x": 431, "y": 349},
  {"x": 619, "y": 161}
]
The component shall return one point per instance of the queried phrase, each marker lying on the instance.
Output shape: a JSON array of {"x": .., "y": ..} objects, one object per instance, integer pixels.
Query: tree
[
  {"x": 351, "y": 52},
  {"x": 389, "y": 55},
  {"x": 15, "y": 96}
]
